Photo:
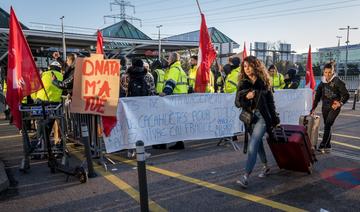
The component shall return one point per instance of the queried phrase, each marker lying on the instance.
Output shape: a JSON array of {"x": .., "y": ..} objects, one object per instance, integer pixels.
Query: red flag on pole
[
  {"x": 206, "y": 56},
  {"x": 309, "y": 78},
  {"x": 109, "y": 122},
  {"x": 244, "y": 53},
  {"x": 23, "y": 78},
  {"x": 99, "y": 43}
]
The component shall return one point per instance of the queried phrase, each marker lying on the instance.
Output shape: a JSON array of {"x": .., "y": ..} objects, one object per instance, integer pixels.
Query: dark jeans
[
  {"x": 329, "y": 116},
  {"x": 48, "y": 125}
]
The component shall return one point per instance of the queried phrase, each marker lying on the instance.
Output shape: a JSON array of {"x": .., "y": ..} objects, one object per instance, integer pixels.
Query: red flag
[
  {"x": 309, "y": 79},
  {"x": 244, "y": 53},
  {"x": 206, "y": 56},
  {"x": 99, "y": 43},
  {"x": 23, "y": 78},
  {"x": 109, "y": 122}
]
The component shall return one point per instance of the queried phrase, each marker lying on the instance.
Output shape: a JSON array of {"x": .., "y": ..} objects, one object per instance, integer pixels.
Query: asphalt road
[{"x": 200, "y": 178}]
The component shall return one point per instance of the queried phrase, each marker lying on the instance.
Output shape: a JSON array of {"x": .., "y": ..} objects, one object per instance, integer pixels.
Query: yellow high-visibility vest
[
  {"x": 53, "y": 92},
  {"x": 232, "y": 81},
  {"x": 177, "y": 75}
]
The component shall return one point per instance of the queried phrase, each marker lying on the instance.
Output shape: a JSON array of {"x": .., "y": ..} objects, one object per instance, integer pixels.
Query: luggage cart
[{"x": 45, "y": 113}]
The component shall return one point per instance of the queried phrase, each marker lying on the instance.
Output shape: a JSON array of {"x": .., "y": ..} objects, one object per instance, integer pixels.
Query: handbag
[{"x": 248, "y": 117}]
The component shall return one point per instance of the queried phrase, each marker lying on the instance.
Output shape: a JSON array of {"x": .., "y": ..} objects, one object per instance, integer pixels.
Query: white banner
[{"x": 159, "y": 120}]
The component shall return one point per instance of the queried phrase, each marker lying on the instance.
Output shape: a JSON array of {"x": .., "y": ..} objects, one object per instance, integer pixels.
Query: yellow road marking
[
  {"x": 343, "y": 144},
  {"x": 345, "y": 114},
  {"x": 347, "y": 145},
  {"x": 122, "y": 185},
  {"x": 213, "y": 186},
  {"x": 10, "y": 136},
  {"x": 345, "y": 136}
]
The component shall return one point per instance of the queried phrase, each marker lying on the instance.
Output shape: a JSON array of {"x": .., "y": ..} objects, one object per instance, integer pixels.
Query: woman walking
[{"x": 255, "y": 97}]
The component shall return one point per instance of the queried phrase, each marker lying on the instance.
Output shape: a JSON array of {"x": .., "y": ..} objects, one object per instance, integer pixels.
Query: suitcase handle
[{"x": 282, "y": 130}]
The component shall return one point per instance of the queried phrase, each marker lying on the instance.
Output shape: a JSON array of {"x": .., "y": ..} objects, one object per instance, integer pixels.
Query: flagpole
[{"x": 197, "y": 1}]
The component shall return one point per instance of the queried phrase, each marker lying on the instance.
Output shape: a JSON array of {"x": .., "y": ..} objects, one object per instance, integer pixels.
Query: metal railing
[
  {"x": 74, "y": 121},
  {"x": 352, "y": 82}
]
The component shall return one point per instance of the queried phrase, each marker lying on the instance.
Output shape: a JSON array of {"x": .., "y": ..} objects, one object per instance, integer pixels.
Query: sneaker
[
  {"x": 131, "y": 154},
  {"x": 321, "y": 150},
  {"x": 243, "y": 181},
  {"x": 264, "y": 172},
  {"x": 327, "y": 150}
]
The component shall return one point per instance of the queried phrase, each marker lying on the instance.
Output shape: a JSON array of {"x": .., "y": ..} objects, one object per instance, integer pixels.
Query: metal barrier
[
  {"x": 74, "y": 122},
  {"x": 352, "y": 82}
]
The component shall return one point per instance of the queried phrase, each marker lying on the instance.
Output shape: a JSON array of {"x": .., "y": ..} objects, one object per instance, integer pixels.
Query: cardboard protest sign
[{"x": 96, "y": 86}]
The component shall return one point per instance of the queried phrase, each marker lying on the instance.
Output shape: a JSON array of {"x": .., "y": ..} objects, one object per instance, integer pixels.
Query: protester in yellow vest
[
  {"x": 4, "y": 88},
  {"x": 175, "y": 78},
  {"x": 276, "y": 78},
  {"x": 175, "y": 83},
  {"x": 52, "y": 95},
  {"x": 52, "y": 91},
  {"x": 159, "y": 76},
  {"x": 231, "y": 81},
  {"x": 192, "y": 77}
]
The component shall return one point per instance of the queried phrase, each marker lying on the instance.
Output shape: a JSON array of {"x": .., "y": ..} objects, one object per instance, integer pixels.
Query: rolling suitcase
[
  {"x": 312, "y": 125},
  {"x": 291, "y": 148}
]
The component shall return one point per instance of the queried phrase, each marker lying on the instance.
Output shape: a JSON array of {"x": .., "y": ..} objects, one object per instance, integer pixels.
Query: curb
[{"x": 4, "y": 180}]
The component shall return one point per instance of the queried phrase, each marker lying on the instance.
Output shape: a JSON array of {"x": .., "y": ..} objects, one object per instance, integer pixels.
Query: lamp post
[
  {"x": 338, "y": 53},
  {"x": 348, "y": 28},
  {"x": 159, "y": 41},
  {"x": 63, "y": 38}
]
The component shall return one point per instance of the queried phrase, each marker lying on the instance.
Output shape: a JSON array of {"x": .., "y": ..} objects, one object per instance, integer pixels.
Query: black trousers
[{"x": 329, "y": 116}]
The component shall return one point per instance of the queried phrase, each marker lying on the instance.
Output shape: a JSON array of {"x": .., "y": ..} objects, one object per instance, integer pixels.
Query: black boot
[
  {"x": 159, "y": 146},
  {"x": 178, "y": 145}
]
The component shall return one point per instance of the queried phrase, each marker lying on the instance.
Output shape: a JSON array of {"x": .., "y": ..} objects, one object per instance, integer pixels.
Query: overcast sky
[{"x": 298, "y": 22}]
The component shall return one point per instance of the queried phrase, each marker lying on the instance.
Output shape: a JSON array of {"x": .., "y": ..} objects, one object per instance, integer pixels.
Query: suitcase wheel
[{"x": 309, "y": 170}]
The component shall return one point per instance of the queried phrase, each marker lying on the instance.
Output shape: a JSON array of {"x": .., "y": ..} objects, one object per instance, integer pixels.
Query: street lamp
[
  {"x": 338, "y": 53},
  {"x": 63, "y": 38},
  {"x": 348, "y": 28},
  {"x": 159, "y": 41}
]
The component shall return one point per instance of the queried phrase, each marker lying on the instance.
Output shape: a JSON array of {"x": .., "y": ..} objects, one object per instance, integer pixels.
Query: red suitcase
[{"x": 291, "y": 148}]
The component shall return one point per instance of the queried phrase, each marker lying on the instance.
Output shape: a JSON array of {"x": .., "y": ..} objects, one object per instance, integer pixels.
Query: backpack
[{"x": 137, "y": 87}]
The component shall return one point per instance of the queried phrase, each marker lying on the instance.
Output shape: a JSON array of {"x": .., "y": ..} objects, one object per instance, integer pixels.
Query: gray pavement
[{"x": 200, "y": 178}]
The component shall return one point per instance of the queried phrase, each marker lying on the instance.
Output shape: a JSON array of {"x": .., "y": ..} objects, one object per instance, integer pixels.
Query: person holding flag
[
  {"x": 193, "y": 74},
  {"x": 333, "y": 93}
]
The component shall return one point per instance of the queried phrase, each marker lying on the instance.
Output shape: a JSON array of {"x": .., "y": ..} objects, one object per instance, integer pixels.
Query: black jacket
[
  {"x": 292, "y": 83},
  {"x": 68, "y": 82},
  {"x": 328, "y": 92},
  {"x": 137, "y": 74},
  {"x": 263, "y": 97}
]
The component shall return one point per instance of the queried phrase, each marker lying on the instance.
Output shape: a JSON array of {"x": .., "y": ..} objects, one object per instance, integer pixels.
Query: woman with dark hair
[
  {"x": 334, "y": 95},
  {"x": 255, "y": 96}
]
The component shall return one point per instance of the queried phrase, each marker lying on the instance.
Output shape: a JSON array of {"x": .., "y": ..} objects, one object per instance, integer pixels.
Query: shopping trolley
[{"x": 45, "y": 113}]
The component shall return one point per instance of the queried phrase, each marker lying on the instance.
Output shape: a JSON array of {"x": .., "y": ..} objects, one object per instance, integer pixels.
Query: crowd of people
[{"x": 253, "y": 83}]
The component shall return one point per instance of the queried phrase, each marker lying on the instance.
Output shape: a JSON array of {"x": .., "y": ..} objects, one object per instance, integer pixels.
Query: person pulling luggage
[
  {"x": 255, "y": 97},
  {"x": 333, "y": 93}
]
